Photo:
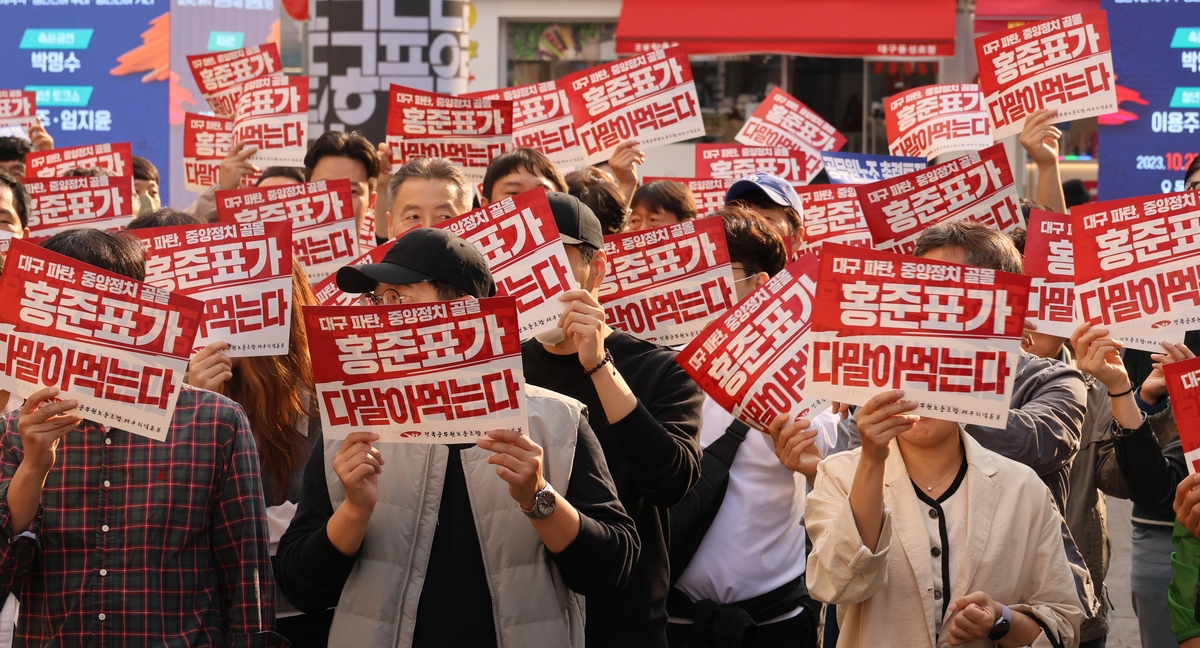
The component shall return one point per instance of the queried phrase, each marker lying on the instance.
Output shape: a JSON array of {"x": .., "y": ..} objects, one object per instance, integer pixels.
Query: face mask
[
  {"x": 145, "y": 205},
  {"x": 551, "y": 337}
]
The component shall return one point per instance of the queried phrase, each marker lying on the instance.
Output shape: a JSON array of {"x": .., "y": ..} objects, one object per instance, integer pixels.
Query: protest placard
[
  {"x": 541, "y": 119},
  {"x": 782, "y": 120},
  {"x": 977, "y": 187},
  {"x": 206, "y": 141},
  {"x": 832, "y": 214},
  {"x": 446, "y": 372},
  {"x": 864, "y": 168},
  {"x": 752, "y": 359},
  {"x": 738, "y": 161},
  {"x": 1063, "y": 63},
  {"x": 327, "y": 291},
  {"x": 650, "y": 98},
  {"x": 1183, "y": 388},
  {"x": 272, "y": 115},
  {"x": 18, "y": 108},
  {"x": 220, "y": 75},
  {"x": 241, "y": 271},
  {"x": 118, "y": 346},
  {"x": 708, "y": 192},
  {"x": 117, "y": 158},
  {"x": 1050, "y": 264},
  {"x": 101, "y": 202},
  {"x": 468, "y": 132},
  {"x": 936, "y": 119},
  {"x": 665, "y": 284},
  {"x": 519, "y": 239},
  {"x": 948, "y": 335},
  {"x": 322, "y": 216},
  {"x": 1138, "y": 265}
]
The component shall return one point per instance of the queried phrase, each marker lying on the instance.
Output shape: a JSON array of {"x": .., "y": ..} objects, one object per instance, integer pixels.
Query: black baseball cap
[
  {"x": 424, "y": 254},
  {"x": 577, "y": 223}
]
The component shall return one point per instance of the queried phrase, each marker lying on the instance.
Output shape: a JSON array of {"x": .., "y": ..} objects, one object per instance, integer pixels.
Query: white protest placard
[
  {"x": 1050, "y": 264},
  {"x": 935, "y": 119},
  {"x": 220, "y": 75},
  {"x": 782, "y": 120},
  {"x": 117, "y": 158},
  {"x": 737, "y": 161},
  {"x": 206, "y": 142},
  {"x": 18, "y": 108},
  {"x": 708, "y": 192},
  {"x": 865, "y": 168},
  {"x": 832, "y": 214},
  {"x": 59, "y": 204},
  {"x": 327, "y": 291},
  {"x": 272, "y": 115},
  {"x": 468, "y": 132},
  {"x": 541, "y": 119}
]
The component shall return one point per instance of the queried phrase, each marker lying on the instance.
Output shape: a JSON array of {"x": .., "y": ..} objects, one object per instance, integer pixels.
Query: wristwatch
[
  {"x": 1002, "y": 625},
  {"x": 544, "y": 503}
]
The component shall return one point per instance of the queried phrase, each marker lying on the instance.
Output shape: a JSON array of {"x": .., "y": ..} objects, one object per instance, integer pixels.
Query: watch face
[{"x": 545, "y": 502}]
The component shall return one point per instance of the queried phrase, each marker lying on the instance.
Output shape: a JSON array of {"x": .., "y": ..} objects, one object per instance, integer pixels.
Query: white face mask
[{"x": 551, "y": 337}]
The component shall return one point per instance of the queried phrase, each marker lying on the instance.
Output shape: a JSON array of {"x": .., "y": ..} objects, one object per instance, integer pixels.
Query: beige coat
[{"x": 1010, "y": 548}]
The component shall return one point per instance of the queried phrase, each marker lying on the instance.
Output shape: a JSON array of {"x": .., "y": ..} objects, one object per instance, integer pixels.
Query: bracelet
[
  {"x": 1124, "y": 393},
  {"x": 607, "y": 359}
]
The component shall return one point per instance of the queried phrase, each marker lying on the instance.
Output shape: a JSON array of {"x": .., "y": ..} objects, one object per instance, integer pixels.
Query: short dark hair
[
  {"x": 665, "y": 195},
  {"x": 982, "y": 246},
  {"x": 1193, "y": 168},
  {"x": 531, "y": 160},
  {"x": 752, "y": 241},
  {"x": 447, "y": 291},
  {"x": 13, "y": 149},
  {"x": 348, "y": 145},
  {"x": 165, "y": 217},
  {"x": 117, "y": 252},
  {"x": 1018, "y": 237},
  {"x": 21, "y": 199},
  {"x": 430, "y": 168},
  {"x": 1028, "y": 205},
  {"x": 603, "y": 197},
  {"x": 88, "y": 172},
  {"x": 1075, "y": 193},
  {"x": 144, "y": 169},
  {"x": 291, "y": 173},
  {"x": 755, "y": 199}
]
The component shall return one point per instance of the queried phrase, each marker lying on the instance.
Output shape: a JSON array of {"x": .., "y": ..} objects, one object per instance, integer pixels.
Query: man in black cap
[
  {"x": 419, "y": 544},
  {"x": 645, "y": 411}
]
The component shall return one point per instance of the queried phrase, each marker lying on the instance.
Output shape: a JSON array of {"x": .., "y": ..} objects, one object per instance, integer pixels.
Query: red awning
[
  {"x": 853, "y": 28},
  {"x": 998, "y": 15}
]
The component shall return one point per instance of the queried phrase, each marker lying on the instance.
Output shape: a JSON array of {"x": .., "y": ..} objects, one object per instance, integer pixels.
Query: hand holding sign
[
  {"x": 796, "y": 445},
  {"x": 1154, "y": 387},
  {"x": 518, "y": 461},
  {"x": 1187, "y": 504},
  {"x": 210, "y": 367},
  {"x": 358, "y": 466},
  {"x": 1040, "y": 137},
  {"x": 236, "y": 165},
  {"x": 41, "y": 427},
  {"x": 582, "y": 322},
  {"x": 882, "y": 419},
  {"x": 1100, "y": 356}
]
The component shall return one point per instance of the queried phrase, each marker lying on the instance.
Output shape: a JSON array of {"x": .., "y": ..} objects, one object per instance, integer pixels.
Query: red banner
[
  {"x": 1183, "y": 388},
  {"x": 948, "y": 335},
  {"x": 977, "y": 187},
  {"x": 708, "y": 192},
  {"x": 243, "y": 274},
  {"x": 736, "y": 162},
  {"x": 781, "y": 120},
  {"x": 322, "y": 216},
  {"x": 18, "y": 108},
  {"x": 1050, "y": 263},
  {"x": 1139, "y": 260},
  {"x": 936, "y": 119},
  {"x": 1063, "y": 63},
  {"x": 272, "y": 114},
  {"x": 832, "y": 214},
  {"x": 752, "y": 360},
  {"x": 118, "y": 346},
  {"x": 468, "y": 132},
  {"x": 59, "y": 204},
  {"x": 446, "y": 372},
  {"x": 541, "y": 120},
  {"x": 206, "y": 141},
  {"x": 650, "y": 98},
  {"x": 665, "y": 284},
  {"x": 117, "y": 158},
  {"x": 220, "y": 76}
]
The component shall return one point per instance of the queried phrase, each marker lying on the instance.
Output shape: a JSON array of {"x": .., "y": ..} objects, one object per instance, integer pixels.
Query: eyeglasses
[
  {"x": 391, "y": 296},
  {"x": 748, "y": 277}
]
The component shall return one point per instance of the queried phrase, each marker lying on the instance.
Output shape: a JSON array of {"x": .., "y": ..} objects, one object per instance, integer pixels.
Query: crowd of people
[{"x": 634, "y": 511}]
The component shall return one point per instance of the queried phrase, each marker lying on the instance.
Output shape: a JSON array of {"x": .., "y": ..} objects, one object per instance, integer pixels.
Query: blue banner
[{"x": 862, "y": 168}]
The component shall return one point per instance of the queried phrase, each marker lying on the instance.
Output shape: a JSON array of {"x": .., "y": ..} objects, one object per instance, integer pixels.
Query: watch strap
[{"x": 536, "y": 513}]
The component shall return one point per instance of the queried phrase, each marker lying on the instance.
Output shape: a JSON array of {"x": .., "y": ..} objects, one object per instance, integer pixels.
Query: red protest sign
[
  {"x": 220, "y": 76},
  {"x": 650, "y": 98},
  {"x": 1063, "y": 63},
  {"x": 752, "y": 360},
  {"x": 734, "y": 161},
  {"x": 322, "y": 216},
  {"x": 832, "y": 214},
  {"x": 327, "y": 291},
  {"x": 782, "y": 120},
  {"x": 243, "y": 274},
  {"x": 708, "y": 192},
  {"x": 1183, "y": 388},
  {"x": 103, "y": 202},
  {"x": 665, "y": 284},
  {"x": 18, "y": 108},
  {"x": 118, "y": 346},
  {"x": 206, "y": 141},
  {"x": 519, "y": 239},
  {"x": 1050, "y": 264},
  {"x": 272, "y": 114},
  {"x": 446, "y": 372},
  {"x": 541, "y": 120},
  {"x": 1136, "y": 274},
  {"x": 977, "y": 187},
  {"x": 468, "y": 132},
  {"x": 936, "y": 119},
  {"x": 117, "y": 158},
  {"x": 948, "y": 335}
]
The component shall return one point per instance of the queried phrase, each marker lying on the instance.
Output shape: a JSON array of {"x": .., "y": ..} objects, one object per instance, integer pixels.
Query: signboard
[
  {"x": 59, "y": 204},
  {"x": 864, "y": 168},
  {"x": 220, "y": 75},
  {"x": 936, "y": 119},
  {"x": 948, "y": 335},
  {"x": 752, "y": 360},
  {"x": 117, "y": 158},
  {"x": 708, "y": 192},
  {"x": 832, "y": 214},
  {"x": 243, "y": 274},
  {"x": 1183, "y": 388},
  {"x": 327, "y": 291},
  {"x": 541, "y": 120},
  {"x": 977, "y": 187},
  {"x": 781, "y": 120},
  {"x": 468, "y": 132},
  {"x": 18, "y": 108},
  {"x": 206, "y": 142},
  {"x": 1050, "y": 264},
  {"x": 650, "y": 98},
  {"x": 272, "y": 114},
  {"x": 665, "y": 284},
  {"x": 117, "y": 346},
  {"x": 734, "y": 161},
  {"x": 446, "y": 372}
]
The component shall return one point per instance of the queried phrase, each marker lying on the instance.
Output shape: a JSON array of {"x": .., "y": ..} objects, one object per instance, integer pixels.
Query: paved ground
[{"x": 1123, "y": 629}]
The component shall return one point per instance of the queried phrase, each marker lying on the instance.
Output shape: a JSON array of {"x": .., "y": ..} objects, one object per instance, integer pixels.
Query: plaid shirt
[{"x": 140, "y": 542}]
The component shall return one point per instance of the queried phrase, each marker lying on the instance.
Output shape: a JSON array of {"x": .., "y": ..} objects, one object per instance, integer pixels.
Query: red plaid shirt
[{"x": 140, "y": 542}]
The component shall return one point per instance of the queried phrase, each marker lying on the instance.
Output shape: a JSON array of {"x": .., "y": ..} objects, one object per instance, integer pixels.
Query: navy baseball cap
[{"x": 777, "y": 189}]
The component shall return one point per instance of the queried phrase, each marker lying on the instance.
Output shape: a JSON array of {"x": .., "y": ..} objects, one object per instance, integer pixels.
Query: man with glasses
[{"x": 417, "y": 545}]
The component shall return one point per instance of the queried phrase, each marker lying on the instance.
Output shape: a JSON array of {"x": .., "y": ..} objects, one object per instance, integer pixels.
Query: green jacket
[{"x": 1181, "y": 597}]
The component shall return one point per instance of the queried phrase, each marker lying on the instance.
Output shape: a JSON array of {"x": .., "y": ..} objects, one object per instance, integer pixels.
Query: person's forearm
[
  {"x": 347, "y": 528},
  {"x": 560, "y": 528},
  {"x": 866, "y": 501},
  {"x": 1050, "y": 191},
  {"x": 1126, "y": 411},
  {"x": 1023, "y": 631},
  {"x": 25, "y": 495},
  {"x": 628, "y": 188},
  {"x": 615, "y": 395}
]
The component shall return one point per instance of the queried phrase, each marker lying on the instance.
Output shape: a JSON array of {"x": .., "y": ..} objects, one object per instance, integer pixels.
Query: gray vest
[{"x": 531, "y": 606}]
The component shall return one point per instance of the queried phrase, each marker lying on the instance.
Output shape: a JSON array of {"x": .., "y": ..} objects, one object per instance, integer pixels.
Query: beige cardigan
[{"x": 1010, "y": 547}]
